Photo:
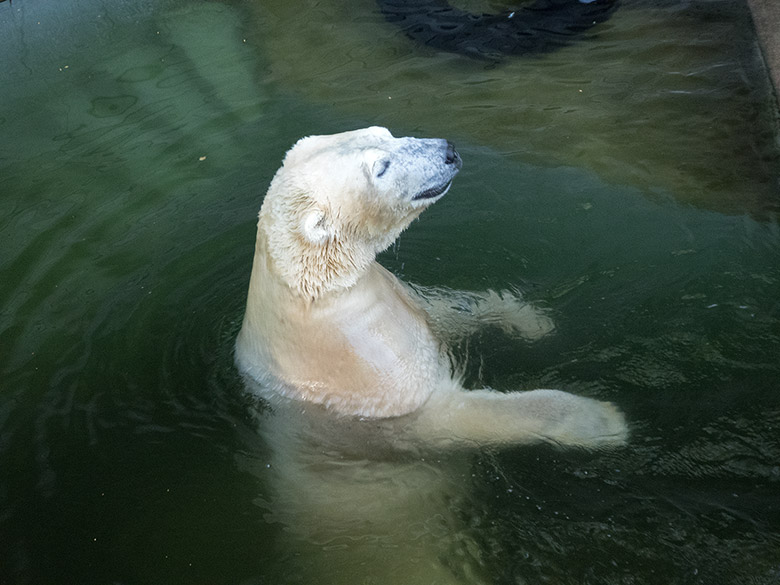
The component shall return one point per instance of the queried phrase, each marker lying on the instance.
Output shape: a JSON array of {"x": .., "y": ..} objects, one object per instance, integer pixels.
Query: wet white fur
[{"x": 326, "y": 324}]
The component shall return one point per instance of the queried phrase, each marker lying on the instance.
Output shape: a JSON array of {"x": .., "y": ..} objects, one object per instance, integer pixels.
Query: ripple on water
[{"x": 107, "y": 107}]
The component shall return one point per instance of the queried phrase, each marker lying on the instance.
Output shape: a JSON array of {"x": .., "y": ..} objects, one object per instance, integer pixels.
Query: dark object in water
[{"x": 541, "y": 27}]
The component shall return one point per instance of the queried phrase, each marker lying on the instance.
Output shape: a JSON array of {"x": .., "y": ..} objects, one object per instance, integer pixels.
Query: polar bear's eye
[{"x": 381, "y": 166}]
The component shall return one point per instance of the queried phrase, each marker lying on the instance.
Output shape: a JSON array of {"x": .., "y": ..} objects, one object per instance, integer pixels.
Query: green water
[{"x": 628, "y": 183}]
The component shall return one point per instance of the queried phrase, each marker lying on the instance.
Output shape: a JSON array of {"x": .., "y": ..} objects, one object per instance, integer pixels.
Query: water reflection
[
  {"x": 354, "y": 507},
  {"x": 652, "y": 98},
  {"x": 541, "y": 27}
]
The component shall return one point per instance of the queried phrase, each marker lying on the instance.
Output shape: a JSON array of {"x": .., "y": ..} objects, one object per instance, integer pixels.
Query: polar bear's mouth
[{"x": 433, "y": 192}]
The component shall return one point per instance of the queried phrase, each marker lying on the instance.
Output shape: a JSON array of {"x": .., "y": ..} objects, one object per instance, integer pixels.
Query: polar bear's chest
[
  {"x": 367, "y": 355},
  {"x": 368, "y": 351},
  {"x": 381, "y": 346}
]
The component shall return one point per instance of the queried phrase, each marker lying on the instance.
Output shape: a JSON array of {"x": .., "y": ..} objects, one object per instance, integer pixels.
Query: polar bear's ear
[{"x": 315, "y": 227}]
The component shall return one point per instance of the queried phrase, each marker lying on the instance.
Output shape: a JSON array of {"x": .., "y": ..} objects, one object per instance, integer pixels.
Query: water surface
[{"x": 628, "y": 183}]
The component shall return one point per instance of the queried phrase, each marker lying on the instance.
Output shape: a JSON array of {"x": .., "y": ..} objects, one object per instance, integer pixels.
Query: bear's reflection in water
[{"x": 360, "y": 501}]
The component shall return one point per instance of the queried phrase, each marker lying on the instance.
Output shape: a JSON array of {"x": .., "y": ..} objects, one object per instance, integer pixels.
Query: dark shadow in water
[{"x": 542, "y": 27}]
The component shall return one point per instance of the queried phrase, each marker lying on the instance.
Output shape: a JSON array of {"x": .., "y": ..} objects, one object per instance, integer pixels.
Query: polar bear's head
[{"x": 339, "y": 200}]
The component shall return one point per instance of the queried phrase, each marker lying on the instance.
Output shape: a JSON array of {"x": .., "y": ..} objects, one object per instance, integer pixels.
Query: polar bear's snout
[
  {"x": 452, "y": 164},
  {"x": 429, "y": 167},
  {"x": 451, "y": 156}
]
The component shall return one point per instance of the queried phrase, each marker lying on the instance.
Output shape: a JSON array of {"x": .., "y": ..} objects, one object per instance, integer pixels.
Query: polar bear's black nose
[{"x": 452, "y": 156}]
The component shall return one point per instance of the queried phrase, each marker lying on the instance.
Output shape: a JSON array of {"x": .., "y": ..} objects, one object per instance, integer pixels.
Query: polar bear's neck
[
  {"x": 334, "y": 266},
  {"x": 314, "y": 271},
  {"x": 336, "y": 263}
]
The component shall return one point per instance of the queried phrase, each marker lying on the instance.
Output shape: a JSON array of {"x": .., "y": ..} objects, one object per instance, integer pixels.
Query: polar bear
[
  {"x": 365, "y": 450},
  {"x": 326, "y": 324}
]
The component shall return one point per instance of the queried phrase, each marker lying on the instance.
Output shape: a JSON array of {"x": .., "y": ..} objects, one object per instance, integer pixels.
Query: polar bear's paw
[
  {"x": 486, "y": 416},
  {"x": 513, "y": 315},
  {"x": 458, "y": 314},
  {"x": 570, "y": 420}
]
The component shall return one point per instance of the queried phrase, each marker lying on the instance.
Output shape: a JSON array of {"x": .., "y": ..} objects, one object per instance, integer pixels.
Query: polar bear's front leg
[
  {"x": 489, "y": 417},
  {"x": 458, "y": 314}
]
